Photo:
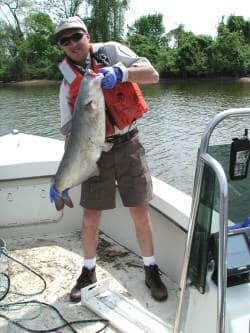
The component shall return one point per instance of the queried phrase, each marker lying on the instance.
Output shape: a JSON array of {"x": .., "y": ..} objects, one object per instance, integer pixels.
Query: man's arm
[
  {"x": 139, "y": 69},
  {"x": 142, "y": 74}
]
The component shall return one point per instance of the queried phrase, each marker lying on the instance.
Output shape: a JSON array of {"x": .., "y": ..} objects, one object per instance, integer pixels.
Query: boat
[{"x": 201, "y": 245}]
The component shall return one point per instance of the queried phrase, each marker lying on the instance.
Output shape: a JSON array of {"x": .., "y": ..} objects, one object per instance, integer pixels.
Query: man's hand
[
  {"x": 111, "y": 76},
  {"x": 54, "y": 195}
]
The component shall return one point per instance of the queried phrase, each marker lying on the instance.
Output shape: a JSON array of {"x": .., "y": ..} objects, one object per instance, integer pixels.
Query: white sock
[
  {"x": 89, "y": 263},
  {"x": 148, "y": 260}
]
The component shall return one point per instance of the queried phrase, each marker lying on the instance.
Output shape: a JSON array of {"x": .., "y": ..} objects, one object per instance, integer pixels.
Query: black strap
[{"x": 100, "y": 57}]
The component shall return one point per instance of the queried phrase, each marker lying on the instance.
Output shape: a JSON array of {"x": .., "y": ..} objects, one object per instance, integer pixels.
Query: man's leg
[
  {"x": 90, "y": 231},
  {"x": 142, "y": 221},
  {"x": 143, "y": 227}
]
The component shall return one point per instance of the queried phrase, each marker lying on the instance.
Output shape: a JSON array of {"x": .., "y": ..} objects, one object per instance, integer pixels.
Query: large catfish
[{"x": 86, "y": 141}]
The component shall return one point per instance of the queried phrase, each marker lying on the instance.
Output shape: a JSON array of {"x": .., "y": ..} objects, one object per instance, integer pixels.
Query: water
[{"x": 171, "y": 130}]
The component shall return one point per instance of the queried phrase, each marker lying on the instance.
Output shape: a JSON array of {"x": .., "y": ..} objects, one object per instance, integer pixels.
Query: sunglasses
[{"x": 73, "y": 38}]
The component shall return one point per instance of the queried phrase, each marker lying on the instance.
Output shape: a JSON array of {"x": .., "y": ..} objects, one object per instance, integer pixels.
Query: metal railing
[{"x": 202, "y": 159}]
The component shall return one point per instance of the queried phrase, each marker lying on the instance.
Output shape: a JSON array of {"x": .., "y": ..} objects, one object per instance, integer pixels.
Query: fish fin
[
  {"x": 59, "y": 203},
  {"x": 68, "y": 202},
  {"x": 106, "y": 146},
  {"x": 92, "y": 106}
]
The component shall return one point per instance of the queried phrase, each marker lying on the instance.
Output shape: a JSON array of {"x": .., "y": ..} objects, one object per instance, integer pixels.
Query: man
[{"x": 124, "y": 165}]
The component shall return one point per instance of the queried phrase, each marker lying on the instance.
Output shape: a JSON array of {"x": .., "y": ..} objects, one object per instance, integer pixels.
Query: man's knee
[
  {"x": 141, "y": 215},
  {"x": 91, "y": 218}
]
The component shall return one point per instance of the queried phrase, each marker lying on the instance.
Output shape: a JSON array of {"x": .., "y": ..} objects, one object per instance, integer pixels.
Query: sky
[{"x": 198, "y": 16}]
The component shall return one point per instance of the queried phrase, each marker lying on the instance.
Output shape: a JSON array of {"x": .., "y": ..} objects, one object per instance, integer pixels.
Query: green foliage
[
  {"x": 39, "y": 23},
  {"x": 61, "y": 8},
  {"x": 27, "y": 52},
  {"x": 227, "y": 54},
  {"x": 166, "y": 63},
  {"x": 16, "y": 9},
  {"x": 107, "y": 19},
  {"x": 235, "y": 24},
  {"x": 193, "y": 55},
  {"x": 246, "y": 56},
  {"x": 177, "y": 36},
  {"x": 32, "y": 57},
  {"x": 150, "y": 26},
  {"x": 142, "y": 45}
]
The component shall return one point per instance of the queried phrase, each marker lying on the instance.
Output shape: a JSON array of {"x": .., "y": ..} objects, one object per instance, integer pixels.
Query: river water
[{"x": 171, "y": 130}]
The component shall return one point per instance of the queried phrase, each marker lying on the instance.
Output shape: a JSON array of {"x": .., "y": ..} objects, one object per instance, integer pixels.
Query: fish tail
[
  {"x": 59, "y": 203},
  {"x": 66, "y": 198},
  {"x": 62, "y": 201},
  {"x": 68, "y": 202}
]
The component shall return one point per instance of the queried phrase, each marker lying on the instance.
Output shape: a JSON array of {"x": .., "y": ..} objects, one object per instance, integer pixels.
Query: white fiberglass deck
[{"x": 59, "y": 260}]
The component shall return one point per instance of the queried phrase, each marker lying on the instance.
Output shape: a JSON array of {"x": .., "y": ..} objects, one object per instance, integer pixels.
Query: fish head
[{"x": 90, "y": 96}]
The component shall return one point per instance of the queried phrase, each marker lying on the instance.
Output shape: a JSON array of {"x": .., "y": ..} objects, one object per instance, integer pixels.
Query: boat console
[
  {"x": 216, "y": 265},
  {"x": 238, "y": 256}
]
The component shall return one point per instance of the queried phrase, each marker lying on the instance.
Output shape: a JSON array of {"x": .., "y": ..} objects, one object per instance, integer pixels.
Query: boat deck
[{"x": 59, "y": 260}]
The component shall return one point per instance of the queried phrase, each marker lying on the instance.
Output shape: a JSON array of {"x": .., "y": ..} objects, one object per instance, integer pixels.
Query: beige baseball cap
[{"x": 73, "y": 22}]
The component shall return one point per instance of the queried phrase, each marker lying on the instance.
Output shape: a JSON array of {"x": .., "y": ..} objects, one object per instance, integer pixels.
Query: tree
[
  {"x": 150, "y": 26},
  {"x": 193, "y": 55},
  {"x": 176, "y": 37},
  {"x": 37, "y": 51},
  {"x": 235, "y": 24},
  {"x": 142, "y": 45},
  {"x": 117, "y": 18},
  {"x": 9, "y": 39},
  {"x": 16, "y": 8},
  {"x": 227, "y": 54},
  {"x": 40, "y": 23},
  {"x": 106, "y": 21},
  {"x": 166, "y": 63},
  {"x": 230, "y": 53},
  {"x": 35, "y": 57},
  {"x": 238, "y": 24},
  {"x": 3, "y": 55},
  {"x": 62, "y": 8},
  {"x": 247, "y": 31}
]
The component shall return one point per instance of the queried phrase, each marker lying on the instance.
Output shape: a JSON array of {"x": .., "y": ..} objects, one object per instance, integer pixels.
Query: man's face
[{"x": 75, "y": 43}]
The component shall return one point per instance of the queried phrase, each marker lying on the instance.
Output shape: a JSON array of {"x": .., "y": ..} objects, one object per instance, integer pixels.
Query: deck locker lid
[
  {"x": 28, "y": 156},
  {"x": 27, "y": 202}
]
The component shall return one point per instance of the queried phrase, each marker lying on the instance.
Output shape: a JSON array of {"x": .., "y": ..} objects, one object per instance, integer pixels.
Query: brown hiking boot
[
  {"x": 154, "y": 283},
  {"x": 87, "y": 277}
]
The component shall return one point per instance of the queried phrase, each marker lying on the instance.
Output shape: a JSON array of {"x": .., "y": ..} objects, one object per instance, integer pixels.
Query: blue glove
[
  {"x": 54, "y": 195},
  {"x": 111, "y": 76}
]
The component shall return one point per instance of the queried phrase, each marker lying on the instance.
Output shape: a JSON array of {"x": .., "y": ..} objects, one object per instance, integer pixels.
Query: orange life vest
[{"x": 124, "y": 103}]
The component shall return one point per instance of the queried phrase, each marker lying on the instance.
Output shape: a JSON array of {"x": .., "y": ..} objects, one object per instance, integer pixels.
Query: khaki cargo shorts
[{"x": 123, "y": 166}]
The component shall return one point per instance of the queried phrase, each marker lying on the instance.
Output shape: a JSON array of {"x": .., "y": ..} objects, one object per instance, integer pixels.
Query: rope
[
  {"x": 5, "y": 283},
  {"x": 54, "y": 329}
]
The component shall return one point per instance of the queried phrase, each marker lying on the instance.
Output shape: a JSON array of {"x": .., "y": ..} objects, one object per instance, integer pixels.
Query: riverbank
[
  {"x": 245, "y": 79},
  {"x": 30, "y": 83}
]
